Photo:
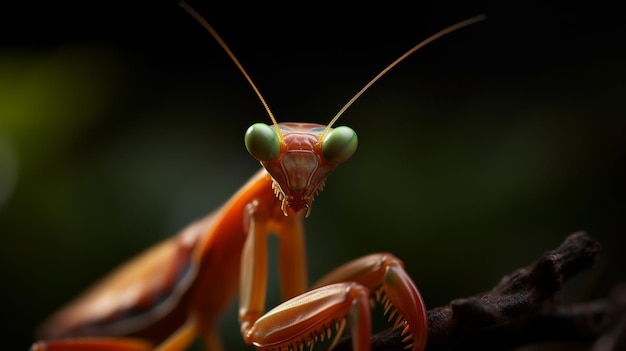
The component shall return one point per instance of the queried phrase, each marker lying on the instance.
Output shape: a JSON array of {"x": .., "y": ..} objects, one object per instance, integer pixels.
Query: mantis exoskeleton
[{"x": 178, "y": 289}]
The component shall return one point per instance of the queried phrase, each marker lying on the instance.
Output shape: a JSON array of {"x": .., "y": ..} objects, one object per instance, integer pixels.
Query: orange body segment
[{"x": 117, "y": 344}]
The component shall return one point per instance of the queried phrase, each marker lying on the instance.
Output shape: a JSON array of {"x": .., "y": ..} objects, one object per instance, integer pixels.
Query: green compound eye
[
  {"x": 339, "y": 144},
  {"x": 262, "y": 142}
]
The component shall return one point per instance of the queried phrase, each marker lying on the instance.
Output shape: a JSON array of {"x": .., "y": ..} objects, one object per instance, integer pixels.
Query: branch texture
[{"x": 518, "y": 311}]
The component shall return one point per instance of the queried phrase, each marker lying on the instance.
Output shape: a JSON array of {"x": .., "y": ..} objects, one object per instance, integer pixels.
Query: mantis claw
[
  {"x": 406, "y": 301},
  {"x": 345, "y": 296},
  {"x": 390, "y": 286},
  {"x": 313, "y": 317}
]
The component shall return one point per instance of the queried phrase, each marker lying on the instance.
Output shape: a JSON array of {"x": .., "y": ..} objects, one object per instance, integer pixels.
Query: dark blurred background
[{"x": 121, "y": 123}]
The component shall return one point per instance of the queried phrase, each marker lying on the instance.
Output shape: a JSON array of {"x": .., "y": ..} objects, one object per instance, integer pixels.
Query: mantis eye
[
  {"x": 262, "y": 142},
  {"x": 339, "y": 144}
]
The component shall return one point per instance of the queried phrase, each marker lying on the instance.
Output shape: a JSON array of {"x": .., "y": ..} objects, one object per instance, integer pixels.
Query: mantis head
[{"x": 299, "y": 157}]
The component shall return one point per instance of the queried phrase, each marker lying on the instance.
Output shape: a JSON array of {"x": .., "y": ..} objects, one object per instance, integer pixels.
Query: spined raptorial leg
[{"x": 343, "y": 298}]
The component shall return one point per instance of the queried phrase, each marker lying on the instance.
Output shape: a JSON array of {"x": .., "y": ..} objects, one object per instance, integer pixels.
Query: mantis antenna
[
  {"x": 190, "y": 10},
  {"x": 412, "y": 50},
  {"x": 423, "y": 43}
]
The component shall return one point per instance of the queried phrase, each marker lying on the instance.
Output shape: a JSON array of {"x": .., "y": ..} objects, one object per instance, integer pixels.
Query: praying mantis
[{"x": 177, "y": 290}]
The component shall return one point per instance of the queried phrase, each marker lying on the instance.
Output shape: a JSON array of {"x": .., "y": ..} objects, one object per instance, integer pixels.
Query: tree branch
[{"x": 516, "y": 311}]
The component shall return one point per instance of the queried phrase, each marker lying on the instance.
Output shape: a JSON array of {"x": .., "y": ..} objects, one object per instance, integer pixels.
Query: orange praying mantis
[{"x": 177, "y": 290}]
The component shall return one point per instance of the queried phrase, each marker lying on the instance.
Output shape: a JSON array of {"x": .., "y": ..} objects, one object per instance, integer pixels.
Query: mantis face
[{"x": 299, "y": 157}]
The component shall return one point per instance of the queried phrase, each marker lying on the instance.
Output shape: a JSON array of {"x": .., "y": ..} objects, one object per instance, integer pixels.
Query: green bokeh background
[{"x": 121, "y": 125}]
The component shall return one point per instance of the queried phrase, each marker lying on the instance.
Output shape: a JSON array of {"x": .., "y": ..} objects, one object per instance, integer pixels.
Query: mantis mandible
[{"x": 178, "y": 289}]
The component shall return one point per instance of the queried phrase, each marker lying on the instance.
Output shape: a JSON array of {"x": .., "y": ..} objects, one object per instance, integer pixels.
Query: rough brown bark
[{"x": 518, "y": 310}]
